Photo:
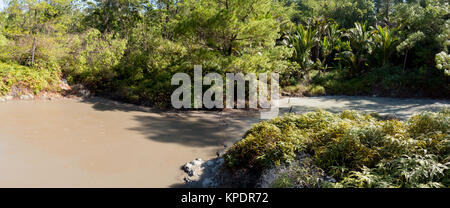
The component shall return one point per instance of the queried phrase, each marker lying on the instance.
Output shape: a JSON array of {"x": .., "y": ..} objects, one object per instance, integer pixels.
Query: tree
[
  {"x": 303, "y": 41},
  {"x": 118, "y": 16},
  {"x": 360, "y": 44},
  {"x": 443, "y": 62},
  {"x": 385, "y": 42},
  {"x": 408, "y": 44},
  {"x": 429, "y": 19},
  {"x": 344, "y": 12},
  {"x": 230, "y": 26},
  {"x": 35, "y": 29},
  {"x": 31, "y": 17}
]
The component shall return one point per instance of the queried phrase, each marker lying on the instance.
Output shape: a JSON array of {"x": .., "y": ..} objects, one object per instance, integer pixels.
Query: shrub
[
  {"x": 93, "y": 58},
  {"x": 387, "y": 81},
  {"x": 431, "y": 131},
  {"x": 43, "y": 77},
  {"x": 264, "y": 144},
  {"x": 443, "y": 62},
  {"x": 316, "y": 90},
  {"x": 297, "y": 90},
  {"x": 299, "y": 174},
  {"x": 356, "y": 149}
]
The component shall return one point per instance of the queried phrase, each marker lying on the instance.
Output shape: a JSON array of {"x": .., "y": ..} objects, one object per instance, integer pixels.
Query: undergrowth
[
  {"x": 37, "y": 79},
  {"x": 356, "y": 149}
]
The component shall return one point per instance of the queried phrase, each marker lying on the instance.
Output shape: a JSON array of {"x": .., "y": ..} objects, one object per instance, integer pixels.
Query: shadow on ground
[{"x": 401, "y": 108}]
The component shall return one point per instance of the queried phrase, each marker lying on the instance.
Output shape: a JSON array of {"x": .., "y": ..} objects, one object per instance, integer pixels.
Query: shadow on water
[
  {"x": 103, "y": 104},
  {"x": 190, "y": 128},
  {"x": 182, "y": 129}
]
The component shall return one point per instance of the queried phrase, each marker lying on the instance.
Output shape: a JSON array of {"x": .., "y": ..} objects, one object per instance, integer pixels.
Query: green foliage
[
  {"x": 31, "y": 17},
  {"x": 230, "y": 27},
  {"x": 36, "y": 80},
  {"x": 264, "y": 144},
  {"x": 3, "y": 40},
  {"x": 301, "y": 174},
  {"x": 112, "y": 15},
  {"x": 443, "y": 62},
  {"x": 382, "y": 82},
  {"x": 303, "y": 41},
  {"x": 356, "y": 149},
  {"x": 385, "y": 43},
  {"x": 428, "y": 19},
  {"x": 345, "y": 12},
  {"x": 415, "y": 171},
  {"x": 131, "y": 48},
  {"x": 315, "y": 90},
  {"x": 93, "y": 58},
  {"x": 410, "y": 41},
  {"x": 360, "y": 42},
  {"x": 149, "y": 81}
]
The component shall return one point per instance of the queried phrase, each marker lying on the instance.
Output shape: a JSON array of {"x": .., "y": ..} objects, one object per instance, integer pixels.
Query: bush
[
  {"x": 48, "y": 49},
  {"x": 316, "y": 90},
  {"x": 387, "y": 81},
  {"x": 93, "y": 58},
  {"x": 358, "y": 150},
  {"x": 43, "y": 77},
  {"x": 264, "y": 144}
]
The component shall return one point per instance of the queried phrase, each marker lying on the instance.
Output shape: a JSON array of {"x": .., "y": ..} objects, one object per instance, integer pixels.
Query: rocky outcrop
[
  {"x": 300, "y": 173},
  {"x": 79, "y": 90},
  {"x": 203, "y": 173},
  {"x": 23, "y": 93}
]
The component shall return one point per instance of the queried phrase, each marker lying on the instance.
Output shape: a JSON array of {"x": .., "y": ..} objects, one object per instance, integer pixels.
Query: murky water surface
[{"x": 98, "y": 143}]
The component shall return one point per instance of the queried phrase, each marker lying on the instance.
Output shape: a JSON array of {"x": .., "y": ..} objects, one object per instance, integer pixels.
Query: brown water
[{"x": 101, "y": 143}]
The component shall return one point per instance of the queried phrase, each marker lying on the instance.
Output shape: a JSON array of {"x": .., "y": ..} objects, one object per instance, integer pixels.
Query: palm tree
[
  {"x": 303, "y": 41},
  {"x": 360, "y": 43},
  {"x": 330, "y": 42},
  {"x": 385, "y": 43}
]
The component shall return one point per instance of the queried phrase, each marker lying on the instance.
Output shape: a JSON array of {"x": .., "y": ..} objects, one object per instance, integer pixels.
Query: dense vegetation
[
  {"x": 27, "y": 79},
  {"x": 131, "y": 48},
  {"x": 357, "y": 150}
]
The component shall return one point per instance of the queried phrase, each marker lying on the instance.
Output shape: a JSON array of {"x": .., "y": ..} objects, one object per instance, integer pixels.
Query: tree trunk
[
  {"x": 404, "y": 62},
  {"x": 388, "y": 3},
  {"x": 33, "y": 49}
]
